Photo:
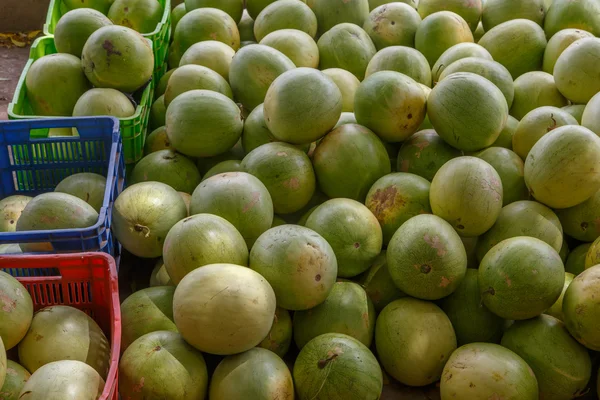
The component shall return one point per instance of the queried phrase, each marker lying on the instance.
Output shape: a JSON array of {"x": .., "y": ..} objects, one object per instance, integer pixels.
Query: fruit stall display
[{"x": 330, "y": 199}]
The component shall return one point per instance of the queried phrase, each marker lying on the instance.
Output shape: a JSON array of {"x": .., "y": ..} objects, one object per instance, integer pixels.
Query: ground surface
[{"x": 12, "y": 62}]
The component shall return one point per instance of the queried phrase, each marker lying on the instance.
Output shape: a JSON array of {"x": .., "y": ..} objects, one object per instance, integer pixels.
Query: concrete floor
[{"x": 12, "y": 62}]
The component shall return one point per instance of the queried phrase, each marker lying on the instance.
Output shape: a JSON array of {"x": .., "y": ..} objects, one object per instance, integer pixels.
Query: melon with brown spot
[
  {"x": 392, "y": 24},
  {"x": 440, "y": 31},
  {"x": 11, "y": 208},
  {"x": 16, "y": 377},
  {"x": 16, "y": 311}
]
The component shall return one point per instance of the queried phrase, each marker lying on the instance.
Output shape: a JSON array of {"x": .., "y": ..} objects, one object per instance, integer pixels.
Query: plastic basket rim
[
  {"x": 56, "y": 3},
  {"x": 21, "y": 86},
  {"x": 115, "y": 307},
  {"x": 103, "y": 214}
]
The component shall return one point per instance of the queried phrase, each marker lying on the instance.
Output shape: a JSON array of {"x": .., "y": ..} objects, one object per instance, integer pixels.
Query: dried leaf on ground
[{"x": 18, "y": 39}]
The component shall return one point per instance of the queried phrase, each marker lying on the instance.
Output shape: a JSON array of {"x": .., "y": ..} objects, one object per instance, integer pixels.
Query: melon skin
[
  {"x": 405, "y": 60},
  {"x": 392, "y": 24},
  {"x": 348, "y": 84},
  {"x": 194, "y": 77},
  {"x": 140, "y": 15},
  {"x": 211, "y": 54},
  {"x": 298, "y": 46},
  {"x": 581, "y": 308},
  {"x": 458, "y": 52},
  {"x": 576, "y": 73},
  {"x": 559, "y": 43},
  {"x": 285, "y": 14},
  {"x": 87, "y": 186},
  {"x": 563, "y": 369},
  {"x": 576, "y": 260},
  {"x": 234, "y": 8},
  {"x": 510, "y": 168},
  {"x": 75, "y": 27},
  {"x": 496, "y": 12},
  {"x": 533, "y": 90},
  {"x": 169, "y": 167},
  {"x": 440, "y": 31},
  {"x": 520, "y": 278},
  {"x": 334, "y": 12},
  {"x": 581, "y": 221},
  {"x": 16, "y": 377},
  {"x": 16, "y": 311},
  {"x": 279, "y": 338},
  {"x": 563, "y": 14},
  {"x": 379, "y": 285},
  {"x": 11, "y": 208},
  {"x": 556, "y": 309}
]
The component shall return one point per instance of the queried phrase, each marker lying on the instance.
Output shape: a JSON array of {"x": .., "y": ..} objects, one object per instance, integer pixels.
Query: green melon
[
  {"x": 16, "y": 377},
  {"x": 256, "y": 133},
  {"x": 222, "y": 167},
  {"x": 440, "y": 31},
  {"x": 258, "y": 371},
  {"x": 487, "y": 371},
  {"x": 576, "y": 110},
  {"x": 560, "y": 168},
  {"x": 581, "y": 308},
  {"x": 489, "y": 69},
  {"x": 103, "y": 102},
  {"x": 405, "y": 60},
  {"x": 347, "y": 83},
  {"x": 159, "y": 275},
  {"x": 414, "y": 339},
  {"x": 347, "y": 310},
  {"x": 424, "y": 153},
  {"x": 145, "y": 311},
  {"x": 346, "y": 46},
  {"x": 234, "y": 8},
  {"x": 467, "y": 192},
  {"x": 537, "y": 123},
  {"x": 556, "y": 309},
  {"x": 334, "y": 12},
  {"x": 346, "y": 118},
  {"x": 157, "y": 140},
  {"x": 54, "y": 210},
  {"x": 246, "y": 28},
  {"x": 176, "y": 14},
  {"x": 379, "y": 285},
  {"x": 533, "y": 90},
  {"x": 16, "y": 313},
  {"x": 211, "y": 54},
  {"x": 558, "y": 43},
  {"x": 254, "y": 7},
  {"x": 582, "y": 221},
  {"x": 520, "y": 278},
  {"x": 203, "y": 123},
  {"x": 11, "y": 208},
  {"x": 285, "y": 14},
  {"x": 75, "y": 27},
  {"x": 286, "y": 172},
  {"x": 298, "y": 46},
  {"x": 518, "y": 44},
  {"x": 158, "y": 113},
  {"x": 298, "y": 263},
  {"x": 59, "y": 379},
  {"x": 349, "y": 160},
  {"x": 279, "y": 338},
  {"x": 564, "y": 250},
  {"x": 140, "y": 15},
  {"x": 88, "y": 186},
  {"x": 238, "y": 197},
  {"x": 393, "y": 24},
  {"x": 118, "y": 57},
  {"x": 328, "y": 359},
  {"x": 506, "y": 136},
  {"x": 470, "y": 10},
  {"x": 458, "y": 52},
  {"x": 426, "y": 258},
  {"x": 576, "y": 261},
  {"x": 200, "y": 240},
  {"x": 563, "y": 14},
  {"x": 561, "y": 365},
  {"x": 522, "y": 218},
  {"x": 590, "y": 118},
  {"x": 169, "y": 167},
  {"x": 195, "y": 77},
  {"x": 3, "y": 364},
  {"x": 100, "y": 5},
  {"x": 373, "y": 4},
  {"x": 510, "y": 168},
  {"x": 576, "y": 72},
  {"x": 472, "y": 321},
  {"x": 253, "y": 70},
  {"x": 472, "y": 128},
  {"x": 352, "y": 231},
  {"x": 153, "y": 367},
  {"x": 496, "y": 12},
  {"x": 302, "y": 105},
  {"x": 46, "y": 96},
  {"x": 395, "y": 198},
  {"x": 391, "y": 104}
]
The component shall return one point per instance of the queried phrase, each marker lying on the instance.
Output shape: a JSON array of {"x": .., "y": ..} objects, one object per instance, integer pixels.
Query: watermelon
[
  {"x": 470, "y": 10},
  {"x": 576, "y": 261},
  {"x": 581, "y": 308},
  {"x": 558, "y": 43},
  {"x": 505, "y": 138},
  {"x": 347, "y": 83},
  {"x": 379, "y": 285},
  {"x": 551, "y": 178},
  {"x": 472, "y": 321},
  {"x": 334, "y": 12},
  {"x": 467, "y": 192},
  {"x": 157, "y": 140},
  {"x": 473, "y": 128},
  {"x": 440, "y": 31},
  {"x": 576, "y": 71},
  {"x": 11, "y": 208},
  {"x": 16, "y": 377},
  {"x": 286, "y": 172},
  {"x": 426, "y": 258},
  {"x": 487, "y": 371},
  {"x": 458, "y": 52},
  {"x": 75, "y": 27},
  {"x": 496, "y": 12},
  {"x": 238, "y": 197},
  {"x": 589, "y": 118},
  {"x": 159, "y": 275},
  {"x": 16, "y": 312},
  {"x": 177, "y": 13},
  {"x": 246, "y": 27},
  {"x": 520, "y": 278},
  {"x": 285, "y": 14},
  {"x": 99, "y": 101},
  {"x": 222, "y": 167},
  {"x": 576, "y": 110},
  {"x": 280, "y": 337},
  {"x": 373, "y": 4},
  {"x": 140, "y": 15},
  {"x": 169, "y": 167},
  {"x": 393, "y": 24},
  {"x": 563, "y": 14},
  {"x": 561, "y": 365},
  {"x": 158, "y": 113},
  {"x": 533, "y": 90},
  {"x": 424, "y": 153},
  {"x": 232, "y": 7},
  {"x": 224, "y": 309},
  {"x": 347, "y": 310},
  {"x": 592, "y": 257},
  {"x": 395, "y": 198},
  {"x": 349, "y": 160},
  {"x": 192, "y": 77},
  {"x": 298, "y": 46},
  {"x": 257, "y": 371},
  {"x": 161, "y": 86},
  {"x": 518, "y": 44},
  {"x": 302, "y": 105},
  {"x": 556, "y": 309},
  {"x": 332, "y": 357},
  {"x": 211, "y": 54},
  {"x": 537, "y": 123},
  {"x": 582, "y": 221},
  {"x": 346, "y": 118},
  {"x": 510, "y": 168},
  {"x": 411, "y": 333},
  {"x": 298, "y": 263},
  {"x": 346, "y": 46},
  {"x": 405, "y": 60},
  {"x": 88, "y": 186},
  {"x": 522, "y": 218}
]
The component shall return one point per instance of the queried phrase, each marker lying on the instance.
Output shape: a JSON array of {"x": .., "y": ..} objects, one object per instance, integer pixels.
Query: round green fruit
[
  {"x": 285, "y": 14},
  {"x": 298, "y": 46},
  {"x": 440, "y": 31},
  {"x": 332, "y": 13},
  {"x": 470, "y": 10},
  {"x": 103, "y": 102},
  {"x": 379, "y": 285},
  {"x": 510, "y": 168},
  {"x": 576, "y": 72},
  {"x": 583, "y": 14},
  {"x": 11, "y": 208},
  {"x": 533, "y": 90},
  {"x": 581, "y": 308},
  {"x": 234, "y": 8},
  {"x": 279, "y": 338},
  {"x": 16, "y": 311},
  {"x": 458, "y": 52},
  {"x": 158, "y": 114},
  {"x": 211, "y": 54},
  {"x": 392, "y": 24},
  {"x": 169, "y": 167},
  {"x": 556, "y": 309},
  {"x": 347, "y": 83},
  {"x": 582, "y": 221},
  {"x": 496, "y": 12},
  {"x": 16, "y": 377},
  {"x": 195, "y": 77},
  {"x": 559, "y": 43},
  {"x": 576, "y": 261},
  {"x": 140, "y": 15},
  {"x": 88, "y": 186},
  {"x": 405, "y": 60},
  {"x": 75, "y": 27},
  {"x": 157, "y": 140}
]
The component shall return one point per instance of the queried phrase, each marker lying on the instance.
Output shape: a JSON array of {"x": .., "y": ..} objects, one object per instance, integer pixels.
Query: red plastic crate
[{"x": 87, "y": 281}]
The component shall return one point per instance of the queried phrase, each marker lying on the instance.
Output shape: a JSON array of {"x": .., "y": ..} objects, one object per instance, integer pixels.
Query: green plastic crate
[
  {"x": 160, "y": 37},
  {"x": 133, "y": 129}
]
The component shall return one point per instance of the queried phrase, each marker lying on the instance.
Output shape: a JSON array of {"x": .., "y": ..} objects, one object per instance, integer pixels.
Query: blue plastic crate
[{"x": 33, "y": 165}]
